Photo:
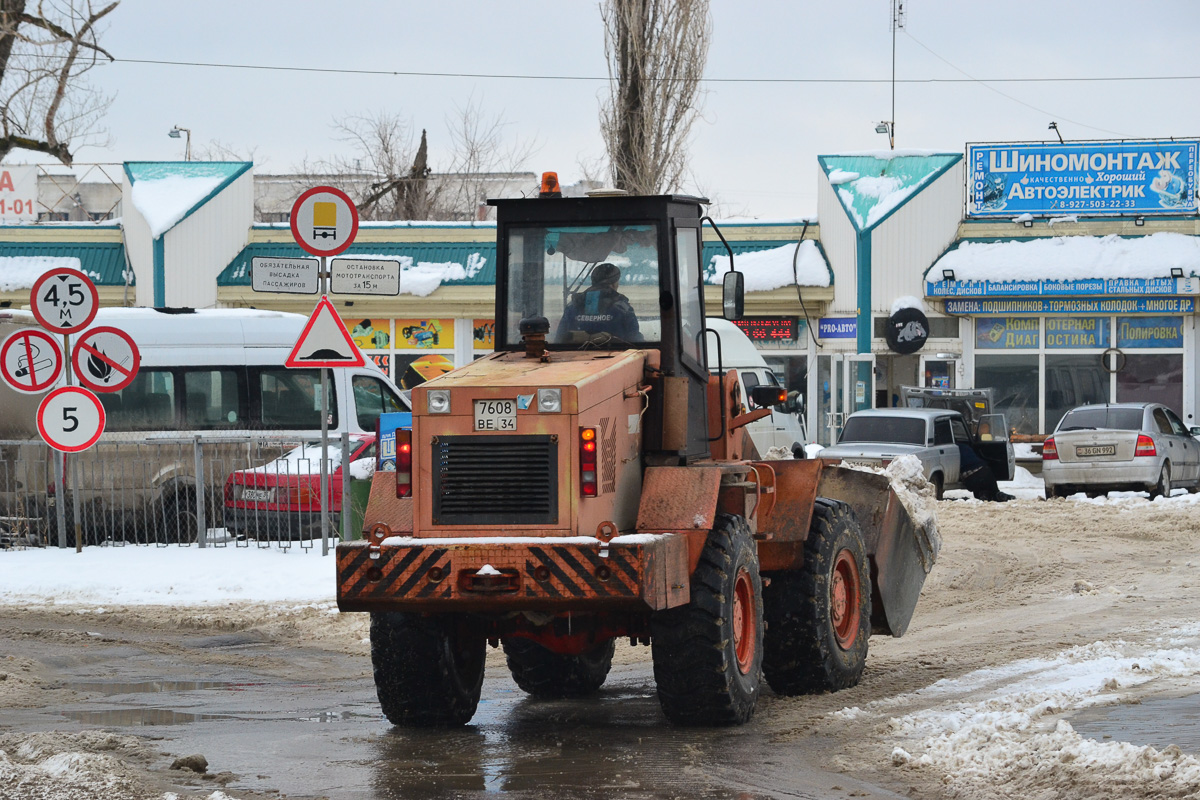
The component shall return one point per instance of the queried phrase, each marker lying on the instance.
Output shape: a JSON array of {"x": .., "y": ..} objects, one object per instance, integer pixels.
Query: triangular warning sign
[{"x": 325, "y": 342}]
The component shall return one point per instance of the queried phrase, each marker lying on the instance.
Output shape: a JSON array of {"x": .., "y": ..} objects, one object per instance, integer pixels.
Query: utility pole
[{"x": 897, "y": 24}]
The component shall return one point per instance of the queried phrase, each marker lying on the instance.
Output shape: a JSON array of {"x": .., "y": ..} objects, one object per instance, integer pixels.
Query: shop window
[
  {"x": 1014, "y": 379},
  {"x": 1073, "y": 380},
  {"x": 1152, "y": 378}
]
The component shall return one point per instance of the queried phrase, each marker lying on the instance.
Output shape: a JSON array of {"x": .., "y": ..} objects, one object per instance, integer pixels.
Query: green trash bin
[{"x": 360, "y": 492}]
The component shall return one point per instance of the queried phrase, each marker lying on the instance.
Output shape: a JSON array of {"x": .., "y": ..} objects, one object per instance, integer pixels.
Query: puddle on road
[
  {"x": 138, "y": 717},
  {"x": 155, "y": 687},
  {"x": 1158, "y": 723}
]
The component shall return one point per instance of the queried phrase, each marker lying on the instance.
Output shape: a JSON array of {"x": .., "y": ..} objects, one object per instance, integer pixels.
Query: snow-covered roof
[
  {"x": 21, "y": 272},
  {"x": 1072, "y": 258},
  {"x": 774, "y": 268},
  {"x": 871, "y": 185},
  {"x": 165, "y": 192}
]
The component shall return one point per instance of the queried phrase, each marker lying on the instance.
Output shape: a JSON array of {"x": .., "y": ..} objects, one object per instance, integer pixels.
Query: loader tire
[
  {"x": 543, "y": 673},
  {"x": 428, "y": 669},
  {"x": 708, "y": 654},
  {"x": 819, "y": 616}
]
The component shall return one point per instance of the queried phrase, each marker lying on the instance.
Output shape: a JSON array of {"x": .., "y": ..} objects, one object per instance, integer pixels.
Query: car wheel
[
  {"x": 1163, "y": 487},
  {"x": 939, "y": 486},
  {"x": 1055, "y": 491}
]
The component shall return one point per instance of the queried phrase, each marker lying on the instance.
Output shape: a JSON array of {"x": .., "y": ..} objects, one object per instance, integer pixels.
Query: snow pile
[
  {"x": 21, "y": 272},
  {"x": 906, "y": 301},
  {"x": 165, "y": 201},
  {"x": 1017, "y": 738},
  {"x": 772, "y": 269},
  {"x": 778, "y": 453},
  {"x": 906, "y": 475},
  {"x": 839, "y": 176},
  {"x": 1073, "y": 258},
  {"x": 363, "y": 469}
]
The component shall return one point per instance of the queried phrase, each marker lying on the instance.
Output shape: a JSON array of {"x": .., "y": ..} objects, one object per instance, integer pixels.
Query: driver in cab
[{"x": 600, "y": 309}]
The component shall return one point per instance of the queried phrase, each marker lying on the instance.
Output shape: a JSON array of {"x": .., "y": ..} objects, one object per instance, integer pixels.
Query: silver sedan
[{"x": 1120, "y": 446}]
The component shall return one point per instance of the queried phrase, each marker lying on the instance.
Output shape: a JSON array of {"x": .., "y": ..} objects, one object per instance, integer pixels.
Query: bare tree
[
  {"x": 389, "y": 172},
  {"x": 656, "y": 52},
  {"x": 46, "y": 104},
  {"x": 479, "y": 151}
]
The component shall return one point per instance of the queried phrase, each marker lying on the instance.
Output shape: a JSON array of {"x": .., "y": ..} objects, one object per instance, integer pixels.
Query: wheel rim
[
  {"x": 745, "y": 632},
  {"x": 845, "y": 599}
]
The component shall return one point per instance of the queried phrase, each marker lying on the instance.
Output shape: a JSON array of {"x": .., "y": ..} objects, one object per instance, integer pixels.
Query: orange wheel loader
[{"x": 590, "y": 480}]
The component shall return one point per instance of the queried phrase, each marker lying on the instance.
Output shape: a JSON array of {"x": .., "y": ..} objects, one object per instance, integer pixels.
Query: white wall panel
[
  {"x": 840, "y": 242},
  {"x": 907, "y": 242},
  {"x": 203, "y": 244},
  {"x": 139, "y": 247}
]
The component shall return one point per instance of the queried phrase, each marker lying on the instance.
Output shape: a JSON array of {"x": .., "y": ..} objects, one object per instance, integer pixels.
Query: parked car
[
  {"x": 1120, "y": 446},
  {"x": 281, "y": 500},
  {"x": 874, "y": 437}
]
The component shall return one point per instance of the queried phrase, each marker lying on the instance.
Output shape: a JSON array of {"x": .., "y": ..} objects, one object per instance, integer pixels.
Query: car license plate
[
  {"x": 1082, "y": 450},
  {"x": 258, "y": 495},
  {"x": 495, "y": 415}
]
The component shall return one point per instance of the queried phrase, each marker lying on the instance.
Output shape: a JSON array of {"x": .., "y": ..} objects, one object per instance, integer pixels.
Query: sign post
[{"x": 324, "y": 222}]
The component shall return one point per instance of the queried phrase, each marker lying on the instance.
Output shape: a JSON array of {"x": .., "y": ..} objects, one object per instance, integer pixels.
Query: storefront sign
[
  {"x": 1149, "y": 332},
  {"x": 837, "y": 328},
  {"x": 424, "y": 334},
  {"x": 1071, "y": 332},
  {"x": 1047, "y": 288},
  {"x": 1008, "y": 333},
  {"x": 1128, "y": 177},
  {"x": 907, "y": 330},
  {"x": 1107, "y": 305}
]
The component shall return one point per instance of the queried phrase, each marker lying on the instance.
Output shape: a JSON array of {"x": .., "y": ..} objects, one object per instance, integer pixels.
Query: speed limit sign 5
[
  {"x": 64, "y": 300},
  {"x": 70, "y": 419}
]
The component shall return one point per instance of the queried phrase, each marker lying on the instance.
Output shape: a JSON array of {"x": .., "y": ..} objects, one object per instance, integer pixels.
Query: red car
[{"x": 281, "y": 500}]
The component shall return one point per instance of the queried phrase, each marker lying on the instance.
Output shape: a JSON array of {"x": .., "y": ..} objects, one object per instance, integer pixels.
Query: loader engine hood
[{"x": 513, "y": 445}]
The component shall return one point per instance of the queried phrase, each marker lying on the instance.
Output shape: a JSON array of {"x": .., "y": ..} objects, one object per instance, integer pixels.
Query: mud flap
[{"x": 903, "y": 550}]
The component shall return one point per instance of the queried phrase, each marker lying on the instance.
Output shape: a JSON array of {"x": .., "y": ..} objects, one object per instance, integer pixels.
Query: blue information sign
[
  {"x": 1081, "y": 305},
  {"x": 1061, "y": 288},
  {"x": 1151, "y": 176},
  {"x": 1149, "y": 331},
  {"x": 837, "y": 328}
]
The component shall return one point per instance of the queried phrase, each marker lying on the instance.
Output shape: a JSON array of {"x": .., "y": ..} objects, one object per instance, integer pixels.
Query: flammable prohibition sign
[
  {"x": 106, "y": 359},
  {"x": 70, "y": 419},
  {"x": 31, "y": 361}
]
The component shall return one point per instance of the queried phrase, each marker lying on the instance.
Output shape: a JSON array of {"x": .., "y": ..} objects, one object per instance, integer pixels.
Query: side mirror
[
  {"x": 765, "y": 396},
  {"x": 1195, "y": 431},
  {"x": 733, "y": 295}
]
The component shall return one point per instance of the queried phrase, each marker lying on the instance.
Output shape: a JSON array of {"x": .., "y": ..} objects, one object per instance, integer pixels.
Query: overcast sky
[{"x": 755, "y": 149}]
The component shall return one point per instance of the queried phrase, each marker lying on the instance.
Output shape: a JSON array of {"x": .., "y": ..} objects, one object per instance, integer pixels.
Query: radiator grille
[{"x": 495, "y": 480}]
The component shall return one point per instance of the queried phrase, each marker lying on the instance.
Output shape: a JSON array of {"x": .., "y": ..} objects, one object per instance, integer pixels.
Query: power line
[
  {"x": 984, "y": 83},
  {"x": 605, "y": 79}
]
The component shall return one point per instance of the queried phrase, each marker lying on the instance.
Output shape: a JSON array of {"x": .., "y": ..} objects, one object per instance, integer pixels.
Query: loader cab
[{"x": 555, "y": 262}]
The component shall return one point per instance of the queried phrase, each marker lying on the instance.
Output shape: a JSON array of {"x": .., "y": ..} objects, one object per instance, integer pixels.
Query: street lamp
[
  {"x": 187, "y": 149},
  {"x": 890, "y": 129}
]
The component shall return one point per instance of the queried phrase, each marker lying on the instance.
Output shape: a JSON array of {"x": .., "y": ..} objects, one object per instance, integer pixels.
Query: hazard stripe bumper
[{"x": 651, "y": 573}]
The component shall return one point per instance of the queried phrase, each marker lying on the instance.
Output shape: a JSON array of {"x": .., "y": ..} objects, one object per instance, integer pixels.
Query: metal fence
[{"x": 195, "y": 490}]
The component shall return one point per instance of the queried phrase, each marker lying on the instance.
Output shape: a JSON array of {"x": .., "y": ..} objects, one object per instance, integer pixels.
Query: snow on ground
[
  {"x": 166, "y": 576},
  {"x": 1016, "y": 736}
]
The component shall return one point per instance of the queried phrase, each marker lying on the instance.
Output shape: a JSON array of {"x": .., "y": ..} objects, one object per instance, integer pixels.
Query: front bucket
[{"x": 903, "y": 549}]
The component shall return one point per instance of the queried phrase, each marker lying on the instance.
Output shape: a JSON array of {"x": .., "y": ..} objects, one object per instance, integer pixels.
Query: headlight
[
  {"x": 439, "y": 401},
  {"x": 549, "y": 401}
]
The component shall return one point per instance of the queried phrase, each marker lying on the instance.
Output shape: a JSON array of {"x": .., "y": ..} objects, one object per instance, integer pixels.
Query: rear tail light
[
  {"x": 305, "y": 497},
  {"x": 1049, "y": 450},
  {"x": 403, "y": 463},
  {"x": 587, "y": 462},
  {"x": 1145, "y": 446}
]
